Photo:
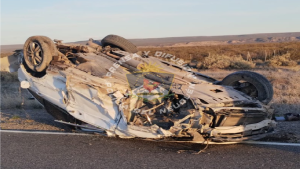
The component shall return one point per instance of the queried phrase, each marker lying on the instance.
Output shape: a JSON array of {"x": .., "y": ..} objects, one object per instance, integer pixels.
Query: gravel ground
[
  {"x": 285, "y": 131},
  {"x": 30, "y": 119},
  {"x": 39, "y": 119}
]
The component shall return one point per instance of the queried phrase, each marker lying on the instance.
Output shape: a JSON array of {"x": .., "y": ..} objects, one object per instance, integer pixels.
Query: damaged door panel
[{"x": 110, "y": 89}]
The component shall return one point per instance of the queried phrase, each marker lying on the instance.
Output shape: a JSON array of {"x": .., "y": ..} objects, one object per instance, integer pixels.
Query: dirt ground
[{"x": 30, "y": 119}]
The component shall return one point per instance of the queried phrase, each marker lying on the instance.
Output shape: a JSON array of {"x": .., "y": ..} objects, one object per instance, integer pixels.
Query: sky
[{"x": 75, "y": 20}]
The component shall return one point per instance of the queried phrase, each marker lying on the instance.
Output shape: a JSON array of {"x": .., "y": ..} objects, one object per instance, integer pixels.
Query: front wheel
[
  {"x": 252, "y": 84},
  {"x": 38, "y": 52}
]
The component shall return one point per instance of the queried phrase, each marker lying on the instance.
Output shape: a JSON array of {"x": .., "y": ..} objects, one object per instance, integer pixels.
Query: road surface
[{"x": 68, "y": 151}]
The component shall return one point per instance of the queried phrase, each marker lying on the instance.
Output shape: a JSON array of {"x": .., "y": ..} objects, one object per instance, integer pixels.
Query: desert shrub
[
  {"x": 256, "y": 51},
  {"x": 241, "y": 64},
  {"x": 259, "y": 63},
  {"x": 283, "y": 60},
  {"x": 224, "y": 62}
]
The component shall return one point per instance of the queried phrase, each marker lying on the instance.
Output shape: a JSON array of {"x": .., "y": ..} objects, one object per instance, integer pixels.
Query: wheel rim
[
  {"x": 246, "y": 87},
  {"x": 35, "y": 53}
]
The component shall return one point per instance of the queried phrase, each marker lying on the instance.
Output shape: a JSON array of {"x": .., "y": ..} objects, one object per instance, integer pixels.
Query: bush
[
  {"x": 283, "y": 60},
  {"x": 224, "y": 62}
]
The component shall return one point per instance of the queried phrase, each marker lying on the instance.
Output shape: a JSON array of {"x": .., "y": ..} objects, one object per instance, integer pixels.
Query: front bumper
[{"x": 243, "y": 132}]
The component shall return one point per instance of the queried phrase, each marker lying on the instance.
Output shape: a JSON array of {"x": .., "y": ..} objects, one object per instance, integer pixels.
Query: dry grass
[
  {"x": 6, "y": 54},
  {"x": 285, "y": 84},
  {"x": 225, "y": 62},
  {"x": 12, "y": 96},
  {"x": 255, "y": 51},
  {"x": 234, "y": 56}
]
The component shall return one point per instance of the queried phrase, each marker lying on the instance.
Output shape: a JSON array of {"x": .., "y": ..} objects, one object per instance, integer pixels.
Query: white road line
[
  {"x": 43, "y": 132},
  {"x": 84, "y": 134},
  {"x": 271, "y": 143}
]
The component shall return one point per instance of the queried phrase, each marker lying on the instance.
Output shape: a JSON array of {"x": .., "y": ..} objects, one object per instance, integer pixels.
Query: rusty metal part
[
  {"x": 57, "y": 41},
  {"x": 70, "y": 48},
  {"x": 155, "y": 107},
  {"x": 112, "y": 55}
]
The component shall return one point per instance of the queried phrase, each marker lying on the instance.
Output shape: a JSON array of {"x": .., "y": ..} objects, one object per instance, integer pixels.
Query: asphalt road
[{"x": 67, "y": 151}]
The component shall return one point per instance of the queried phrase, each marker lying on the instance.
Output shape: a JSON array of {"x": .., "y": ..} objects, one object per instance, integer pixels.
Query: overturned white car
[{"x": 113, "y": 89}]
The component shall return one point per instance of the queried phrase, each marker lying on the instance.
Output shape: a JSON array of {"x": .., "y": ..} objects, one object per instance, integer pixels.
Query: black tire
[
  {"x": 38, "y": 52},
  {"x": 120, "y": 42},
  {"x": 262, "y": 85}
]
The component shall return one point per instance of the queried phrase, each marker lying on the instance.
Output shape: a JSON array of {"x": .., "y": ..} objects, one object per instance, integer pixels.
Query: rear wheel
[
  {"x": 38, "y": 52},
  {"x": 252, "y": 84},
  {"x": 119, "y": 42}
]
